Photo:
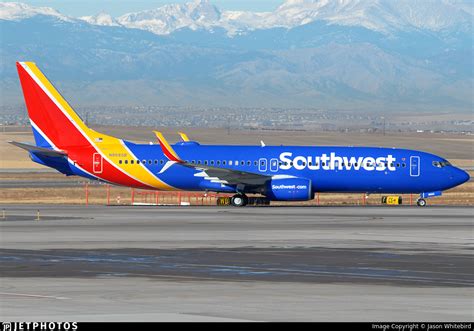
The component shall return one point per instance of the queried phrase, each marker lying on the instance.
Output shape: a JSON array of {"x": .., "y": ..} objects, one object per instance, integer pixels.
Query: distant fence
[{"x": 113, "y": 195}]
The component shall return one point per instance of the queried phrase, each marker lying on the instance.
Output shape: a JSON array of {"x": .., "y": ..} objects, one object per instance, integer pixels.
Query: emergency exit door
[
  {"x": 414, "y": 166},
  {"x": 97, "y": 164}
]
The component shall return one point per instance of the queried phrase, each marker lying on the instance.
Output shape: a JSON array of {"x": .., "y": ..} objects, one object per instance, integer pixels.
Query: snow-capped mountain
[
  {"x": 166, "y": 19},
  {"x": 15, "y": 11},
  {"x": 370, "y": 54},
  {"x": 379, "y": 15},
  {"x": 100, "y": 19}
]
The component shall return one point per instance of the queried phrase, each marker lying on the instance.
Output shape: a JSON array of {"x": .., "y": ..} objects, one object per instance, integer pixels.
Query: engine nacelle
[{"x": 289, "y": 189}]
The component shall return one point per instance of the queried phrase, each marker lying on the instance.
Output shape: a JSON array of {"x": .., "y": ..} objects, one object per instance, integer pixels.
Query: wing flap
[{"x": 230, "y": 176}]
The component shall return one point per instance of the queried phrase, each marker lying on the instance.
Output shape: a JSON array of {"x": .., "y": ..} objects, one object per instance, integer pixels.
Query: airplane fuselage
[{"x": 329, "y": 168}]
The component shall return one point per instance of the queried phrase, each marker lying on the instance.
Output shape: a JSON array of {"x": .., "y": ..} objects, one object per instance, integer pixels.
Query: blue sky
[{"x": 118, "y": 7}]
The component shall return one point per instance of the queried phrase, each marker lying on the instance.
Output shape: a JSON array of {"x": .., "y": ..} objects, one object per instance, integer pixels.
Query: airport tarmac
[{"x": 143, "y": 263}]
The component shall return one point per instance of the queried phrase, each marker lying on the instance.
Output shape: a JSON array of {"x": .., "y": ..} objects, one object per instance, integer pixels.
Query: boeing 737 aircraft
[{"x": 283, "y": 173}]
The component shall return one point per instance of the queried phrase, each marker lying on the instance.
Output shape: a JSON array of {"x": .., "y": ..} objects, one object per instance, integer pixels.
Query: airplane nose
[{"x": 460, "y": 176}]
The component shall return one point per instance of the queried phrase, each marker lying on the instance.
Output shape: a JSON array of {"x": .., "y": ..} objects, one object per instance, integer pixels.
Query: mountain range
[{"x": 374, "y": 55}]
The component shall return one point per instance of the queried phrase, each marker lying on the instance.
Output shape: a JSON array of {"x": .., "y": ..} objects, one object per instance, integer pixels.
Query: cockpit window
[{"x": 441, "y": 164}]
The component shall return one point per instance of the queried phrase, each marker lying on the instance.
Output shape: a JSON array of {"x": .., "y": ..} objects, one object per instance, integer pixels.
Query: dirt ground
[{"x": 115, "y": 195}]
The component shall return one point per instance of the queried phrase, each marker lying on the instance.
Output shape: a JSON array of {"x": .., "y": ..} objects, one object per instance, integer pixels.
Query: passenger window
[
  {"x": 212, "y": 162},
  {"x": 156, "y": 162},
  {"x": 205, "y": 162},
  {"x": 138, "y": 161},
  {"x": 120, "y": 161},
  {"x": 218, "y": 162},
  {"x": 242, "y": 162},
  {"x": 126, "y": 161},
  {"x": 223, "y": 162},
  {"x": 149, "y": 162},
  {"x": 132, "y": 161},
  {"x": 249, "y": 163}
]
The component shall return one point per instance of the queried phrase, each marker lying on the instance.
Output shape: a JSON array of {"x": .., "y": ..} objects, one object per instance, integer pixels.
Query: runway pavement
[{"x": 222, "y": 263}]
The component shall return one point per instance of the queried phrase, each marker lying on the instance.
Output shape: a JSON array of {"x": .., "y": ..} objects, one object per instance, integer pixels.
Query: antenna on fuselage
[{"x": 262, "y": 143}]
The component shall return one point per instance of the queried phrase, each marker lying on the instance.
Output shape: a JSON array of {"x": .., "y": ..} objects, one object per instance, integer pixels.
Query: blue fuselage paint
[{"x": 330, "y": 169}]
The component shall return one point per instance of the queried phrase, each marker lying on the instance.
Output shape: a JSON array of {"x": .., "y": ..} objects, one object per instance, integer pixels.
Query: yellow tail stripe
[{"x": 108, "y": 146}]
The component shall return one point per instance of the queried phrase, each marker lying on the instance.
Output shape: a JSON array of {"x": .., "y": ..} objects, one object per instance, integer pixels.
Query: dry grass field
[{"x": 15, "y": 165}]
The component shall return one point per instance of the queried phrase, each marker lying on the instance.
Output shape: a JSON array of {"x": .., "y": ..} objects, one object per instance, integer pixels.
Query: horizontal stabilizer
[{"x": 38, "y": 150}]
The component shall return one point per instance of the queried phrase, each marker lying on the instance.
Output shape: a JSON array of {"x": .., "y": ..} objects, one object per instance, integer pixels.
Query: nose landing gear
[{"x": 421, "y": 202}]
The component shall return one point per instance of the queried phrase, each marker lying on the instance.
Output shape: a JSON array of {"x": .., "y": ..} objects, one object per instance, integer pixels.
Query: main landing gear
[{"x": 239, "y": 200}]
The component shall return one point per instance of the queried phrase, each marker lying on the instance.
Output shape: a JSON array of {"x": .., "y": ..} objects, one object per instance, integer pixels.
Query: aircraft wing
[
  {"x": 214, "y": 174},
  {"x": 228, "y": 176},
  {"x": 38, "y": 150}
]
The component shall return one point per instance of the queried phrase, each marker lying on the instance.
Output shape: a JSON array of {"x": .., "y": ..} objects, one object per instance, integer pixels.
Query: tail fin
[{"x": 54, "y": 122}]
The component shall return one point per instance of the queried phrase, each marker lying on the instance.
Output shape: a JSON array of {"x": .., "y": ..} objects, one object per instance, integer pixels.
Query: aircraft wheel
[
  {"x": 239, "y": 200},
  {"x": 421, "y": 202}
]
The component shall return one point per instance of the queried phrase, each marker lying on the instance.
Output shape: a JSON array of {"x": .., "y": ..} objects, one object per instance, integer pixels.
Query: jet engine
[{"x": 289, "y": 189}]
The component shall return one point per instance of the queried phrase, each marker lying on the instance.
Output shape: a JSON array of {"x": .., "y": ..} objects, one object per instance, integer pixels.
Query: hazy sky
[{"x": 118, "y": 7}]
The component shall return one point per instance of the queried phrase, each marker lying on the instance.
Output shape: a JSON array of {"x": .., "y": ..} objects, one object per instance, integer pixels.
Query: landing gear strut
[
  {"x": 421, "y": 202},
  {"x": 239, "y": 200}
]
